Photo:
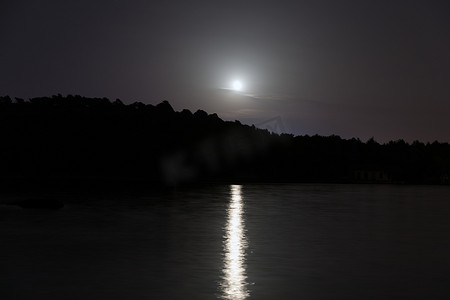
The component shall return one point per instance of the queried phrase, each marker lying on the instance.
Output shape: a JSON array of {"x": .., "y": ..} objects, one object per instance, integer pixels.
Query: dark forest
[{"x": 91, "y": 142}]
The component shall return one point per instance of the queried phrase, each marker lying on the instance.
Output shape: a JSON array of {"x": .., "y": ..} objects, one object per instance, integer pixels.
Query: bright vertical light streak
[{"x": 234, "y": 284}]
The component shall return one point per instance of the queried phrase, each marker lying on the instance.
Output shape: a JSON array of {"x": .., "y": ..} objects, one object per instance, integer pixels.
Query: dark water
[{"x": 232, "y": 242}]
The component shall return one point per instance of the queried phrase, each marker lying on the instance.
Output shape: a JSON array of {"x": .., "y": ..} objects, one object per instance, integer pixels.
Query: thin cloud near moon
[{"x": 261, "y": 97}]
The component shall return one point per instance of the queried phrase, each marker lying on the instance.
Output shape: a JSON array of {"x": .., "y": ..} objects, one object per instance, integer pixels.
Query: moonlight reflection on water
[{"x": 234, "y": 284}]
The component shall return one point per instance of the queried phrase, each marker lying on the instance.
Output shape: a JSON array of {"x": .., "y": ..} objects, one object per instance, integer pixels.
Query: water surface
[{"x": 232, "y": 242}]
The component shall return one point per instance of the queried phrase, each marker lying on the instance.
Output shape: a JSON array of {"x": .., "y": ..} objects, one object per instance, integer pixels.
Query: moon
[{"x": 236, "y": 85}]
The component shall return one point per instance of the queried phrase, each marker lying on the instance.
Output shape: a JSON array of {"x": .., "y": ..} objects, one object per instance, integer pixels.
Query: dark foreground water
[{"x": 232, "y": 242}]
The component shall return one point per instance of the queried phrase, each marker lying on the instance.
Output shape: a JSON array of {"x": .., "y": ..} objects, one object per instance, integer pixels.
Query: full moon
[{"x": 236, "y": 85}]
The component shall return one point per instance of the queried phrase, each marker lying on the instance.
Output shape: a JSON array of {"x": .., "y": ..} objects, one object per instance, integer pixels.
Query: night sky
[{"x": 352, "y": 68}]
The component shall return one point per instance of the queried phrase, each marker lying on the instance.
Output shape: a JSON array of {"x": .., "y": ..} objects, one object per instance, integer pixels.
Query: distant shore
[{"x": 74, "y": 142}]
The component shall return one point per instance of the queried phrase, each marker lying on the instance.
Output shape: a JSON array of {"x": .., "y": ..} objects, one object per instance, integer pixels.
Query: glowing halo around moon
[{"x": 237, "y": 85}]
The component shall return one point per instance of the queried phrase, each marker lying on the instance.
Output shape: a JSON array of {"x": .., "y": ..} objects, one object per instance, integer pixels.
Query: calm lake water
[{"x": 232, "y": 242}]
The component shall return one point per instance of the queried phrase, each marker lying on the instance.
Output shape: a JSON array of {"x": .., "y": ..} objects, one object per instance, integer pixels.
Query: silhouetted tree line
[{"x": 79, "y": 139}]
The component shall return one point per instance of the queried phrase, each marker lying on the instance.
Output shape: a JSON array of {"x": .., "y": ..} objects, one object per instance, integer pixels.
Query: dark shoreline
[
  {"x": 126, "y": 185},
  {"x": 75, "y": 142}
]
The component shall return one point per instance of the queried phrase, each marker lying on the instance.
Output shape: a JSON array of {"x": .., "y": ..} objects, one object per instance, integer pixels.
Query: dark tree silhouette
[{"x": 92, "y": 141}]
